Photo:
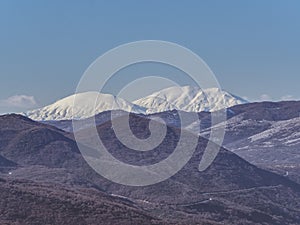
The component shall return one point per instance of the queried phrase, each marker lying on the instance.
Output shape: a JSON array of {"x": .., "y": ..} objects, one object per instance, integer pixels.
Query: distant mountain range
[
  {"x": 187, "y": 98},
  {"x": 266, "y": 134},
  {"x": 254, "y": 179}
]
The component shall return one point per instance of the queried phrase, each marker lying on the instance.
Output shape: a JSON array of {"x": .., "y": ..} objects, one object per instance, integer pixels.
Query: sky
[{"x": 252, "y": 47}]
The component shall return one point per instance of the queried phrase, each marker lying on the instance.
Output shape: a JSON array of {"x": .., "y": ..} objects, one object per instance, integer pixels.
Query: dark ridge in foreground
[{"x": 58, "y": 187}]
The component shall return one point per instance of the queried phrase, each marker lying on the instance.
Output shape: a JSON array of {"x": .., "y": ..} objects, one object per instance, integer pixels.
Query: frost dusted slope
[
  {"x": 63, "y": 109},
  {"x": 190, "y": 99}
]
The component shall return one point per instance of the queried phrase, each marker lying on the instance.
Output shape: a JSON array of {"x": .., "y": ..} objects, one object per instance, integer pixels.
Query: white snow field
[{"x": 187, "y": 98}]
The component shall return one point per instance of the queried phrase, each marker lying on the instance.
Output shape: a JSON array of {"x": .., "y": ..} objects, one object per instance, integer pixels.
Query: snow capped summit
[
  {"x": 190, "y": 99},
  {"x": 86, "y": 106},
  {"x": 187, "y": 98}
]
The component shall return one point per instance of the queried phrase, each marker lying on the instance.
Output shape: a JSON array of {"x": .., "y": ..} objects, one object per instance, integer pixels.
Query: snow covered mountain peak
[
  {"x": 190, "y": 99},
  {"x": 85, "y": 107},
  {"x": 186, "y": 98}
]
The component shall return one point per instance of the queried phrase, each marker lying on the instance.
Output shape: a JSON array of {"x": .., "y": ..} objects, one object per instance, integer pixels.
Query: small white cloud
[
  {"x": 287, "y": 98},
  {"x": 19, "y": 101},
  {"x": 265, "y": 97}
]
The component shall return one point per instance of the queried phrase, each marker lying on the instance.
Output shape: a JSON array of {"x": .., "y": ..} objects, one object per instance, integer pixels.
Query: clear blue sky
[{"x": 252, "y": 46}]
